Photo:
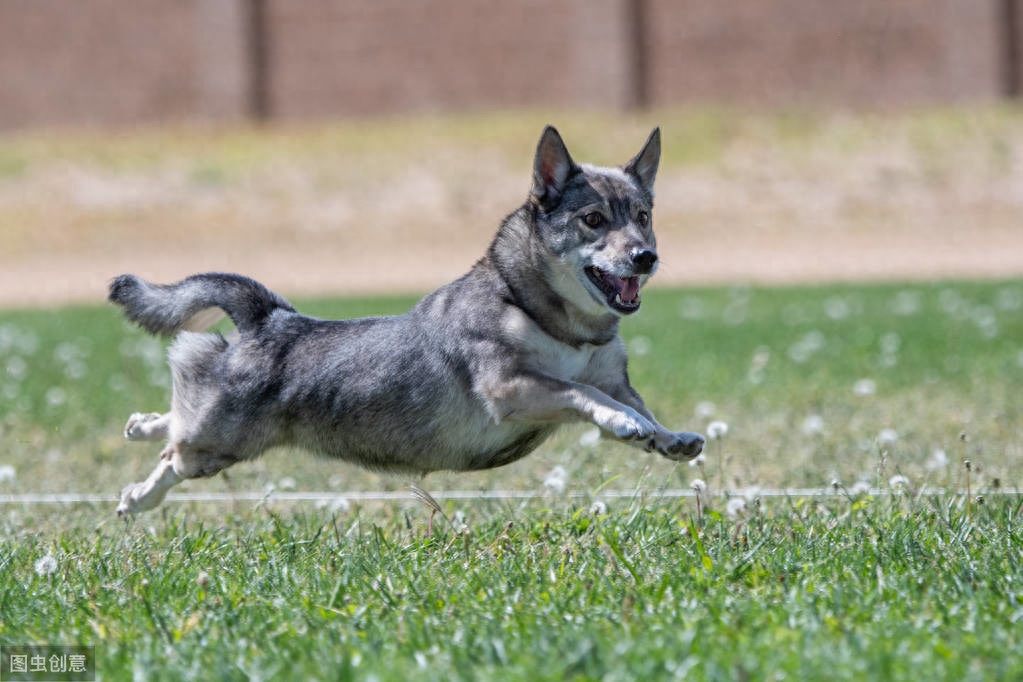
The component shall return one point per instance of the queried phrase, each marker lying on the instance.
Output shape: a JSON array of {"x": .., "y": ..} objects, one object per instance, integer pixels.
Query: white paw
[
  {"x": 135, "y": 500},
  {"x": 629, "y": 425},
  {"x": 135, "y": 428}
]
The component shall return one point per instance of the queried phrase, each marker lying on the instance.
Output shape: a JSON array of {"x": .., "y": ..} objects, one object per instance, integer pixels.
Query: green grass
[{"x": 894, "y": 587}]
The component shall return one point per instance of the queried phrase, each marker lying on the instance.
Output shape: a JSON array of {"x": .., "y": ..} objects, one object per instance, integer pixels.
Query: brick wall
[
  {"x": 67, "y": 62},
  {"x": 874, "y": 52}
]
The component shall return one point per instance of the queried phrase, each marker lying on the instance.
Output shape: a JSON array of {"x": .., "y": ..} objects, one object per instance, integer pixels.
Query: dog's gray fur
[{"x": 476, "y": 375}]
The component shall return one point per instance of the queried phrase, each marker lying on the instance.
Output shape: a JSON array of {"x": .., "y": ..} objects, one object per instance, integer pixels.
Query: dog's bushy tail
[{"x": 191, "y": 303}]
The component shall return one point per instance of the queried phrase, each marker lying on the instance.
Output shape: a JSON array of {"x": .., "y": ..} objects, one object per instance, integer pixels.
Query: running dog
[{"x": 475, "y": 375}]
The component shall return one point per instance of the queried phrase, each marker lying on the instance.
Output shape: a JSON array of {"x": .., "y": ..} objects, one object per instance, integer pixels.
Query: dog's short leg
[
  {"x": 147, "y": 426},
  {"x": 138, "y": 497},
  {"x": 534, "y": 398},
  {"x": 676, "y": 446}
]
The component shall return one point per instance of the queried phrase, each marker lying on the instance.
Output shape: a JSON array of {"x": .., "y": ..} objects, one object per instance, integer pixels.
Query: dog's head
[{"x": 597, "y": 223}]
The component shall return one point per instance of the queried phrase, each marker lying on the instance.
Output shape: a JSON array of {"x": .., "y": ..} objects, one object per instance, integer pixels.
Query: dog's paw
[
  {"x": 679, "y": 446},
  {"x": 136, "y": 429},
  {"x": 134, "y": 499},
  {"x": 629, "y": 425}
]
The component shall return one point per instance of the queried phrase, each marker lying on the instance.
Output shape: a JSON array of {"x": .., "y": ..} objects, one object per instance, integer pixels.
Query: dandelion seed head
[
  {"x": 890, "y": 342},
  {"x": 906, "y": 303},
  {"x": 691, "y": 308},
  {"x": 717, "y": 429},
  {"x": 56, "y": 396},
  {"x": 887, "y": 436},
  {"x": 640, "y": 345},
  {"x": 699, "y": 460},
  {"x": 813, "y": 424},
  {"x": 7, "y": 473},
  {"x": 836, "y": 308},
  {"x": 735, "y": 507},
  {"x": 699, "y": 485},
  {"x": 556, "y": 480},
  {"x": 859, "y": 488},
  {"x": 1009, "y": 299},
  {"x": 705, "y": 408},
  {"x": 203, "y": 579},
  {"x": 898, "y": 482},
  {"x": 17, "y": 368},
  {"x": 937, "y": 460},
  {"x": 46, "y": 565},
  {"x": 598, "y": 508},
  {"x": 589, "y": 438},
  {"x": 286, "y": 483},
  {"x": 864, "y": 387}
]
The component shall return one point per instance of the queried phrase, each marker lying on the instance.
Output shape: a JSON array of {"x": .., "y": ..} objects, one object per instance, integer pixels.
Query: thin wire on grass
[{"x": 398, "y": 495}]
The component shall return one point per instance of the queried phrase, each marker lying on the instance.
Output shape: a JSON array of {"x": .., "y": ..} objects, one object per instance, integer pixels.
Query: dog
[{"x": 476, "y": 375}]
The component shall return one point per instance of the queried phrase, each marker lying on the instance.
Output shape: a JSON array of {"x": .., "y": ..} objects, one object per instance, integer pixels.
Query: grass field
[{"x": 894, "y": 386}]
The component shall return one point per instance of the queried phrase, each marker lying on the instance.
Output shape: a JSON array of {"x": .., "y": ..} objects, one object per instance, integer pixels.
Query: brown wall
[
  {"x": 874, "y": 52},
  {"x": 67, "y": 62}
]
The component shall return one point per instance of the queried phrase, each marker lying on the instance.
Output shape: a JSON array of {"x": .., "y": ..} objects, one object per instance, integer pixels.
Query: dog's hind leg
[
  {"x": 147, "y": 426},
  {"x": 177, "y": 462},
  {"x": 138, "y": 497}
]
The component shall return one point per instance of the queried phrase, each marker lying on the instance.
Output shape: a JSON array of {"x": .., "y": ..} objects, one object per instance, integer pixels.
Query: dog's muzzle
[{"x": 621, "y": 293}]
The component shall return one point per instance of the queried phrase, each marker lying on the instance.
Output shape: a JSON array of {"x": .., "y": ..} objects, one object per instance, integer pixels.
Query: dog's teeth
[{"x": 618, "y": 299}]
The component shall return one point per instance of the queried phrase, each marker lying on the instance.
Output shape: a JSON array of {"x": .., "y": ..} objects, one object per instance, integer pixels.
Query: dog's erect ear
[
  {"x": 552, "y": 167},
  {"x": 644, "y": 165}
]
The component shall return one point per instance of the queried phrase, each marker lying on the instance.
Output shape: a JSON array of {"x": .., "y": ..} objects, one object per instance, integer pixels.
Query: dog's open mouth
[{"x": 622, "y": 293}]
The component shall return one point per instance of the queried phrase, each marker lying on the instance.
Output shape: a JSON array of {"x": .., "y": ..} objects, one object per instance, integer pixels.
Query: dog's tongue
[{"x": 630, "y": 289}]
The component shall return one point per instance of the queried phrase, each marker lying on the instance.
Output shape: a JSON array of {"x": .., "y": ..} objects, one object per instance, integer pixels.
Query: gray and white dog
[{"x": 476, "y": 375}]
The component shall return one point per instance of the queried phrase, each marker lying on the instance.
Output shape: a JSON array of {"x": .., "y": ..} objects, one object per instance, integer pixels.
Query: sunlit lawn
[{"x": 887, "y": 386}]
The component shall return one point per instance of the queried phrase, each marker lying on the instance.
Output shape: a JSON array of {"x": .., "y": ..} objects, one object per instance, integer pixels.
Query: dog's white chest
[{"x": 548, "y": 355}]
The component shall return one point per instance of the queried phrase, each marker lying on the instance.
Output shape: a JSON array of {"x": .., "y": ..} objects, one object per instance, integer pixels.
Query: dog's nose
[{"x": 644, "y": 259}]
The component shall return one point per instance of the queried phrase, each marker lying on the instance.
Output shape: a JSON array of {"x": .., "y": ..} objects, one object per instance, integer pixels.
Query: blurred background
[{"x": 362, "y": 146}]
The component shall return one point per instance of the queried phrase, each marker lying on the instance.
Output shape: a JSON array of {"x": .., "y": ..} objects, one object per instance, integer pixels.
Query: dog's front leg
[
  {"x": 673, "y": 445},
  {"x": 529, "y": 397}
]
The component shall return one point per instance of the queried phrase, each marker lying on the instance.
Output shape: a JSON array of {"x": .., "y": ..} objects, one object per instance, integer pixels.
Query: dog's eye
[
  {"x": 593, "y": 219},
  {"x": 643, "y": 218}
]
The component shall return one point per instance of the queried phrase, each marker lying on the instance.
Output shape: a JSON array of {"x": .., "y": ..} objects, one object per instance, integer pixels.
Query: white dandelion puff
[
  {"x": 287, "y": 483},
  {"x": 836, "y": 308},
  {"x": 46, "y": 565},
  {"x": 640, "y": 345},
  {"x": 864, "y": 387},
  {"x": 589, "y": 438},
  {"x": 556, "y": 480},
  {"x": 859, "y": 488},
  {"x": 717, "y": 429},
  {"x": 598, "y": 508},
  {"x": 890, "y": 343},
  {"x": 1009, "y": 298},
  {"x": 17, "y": 368},
  {"x": 898, "y": 482},
  {"x": 699, "y": 485},
  {"x": 7, "y": 473},
  {"x": 906, "y": 303},
  {"x": 56, "y": 396},
  {"x": 699, "y": 460},
  {"x": 704, "y": 409},
  {"x": 691, "y": 308},
  {"x": 937, "y": 460},
  {"x": 735, "y": 507},
  {"x": 813, "y": 424},
  {"x": 887, "y": 436}
]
